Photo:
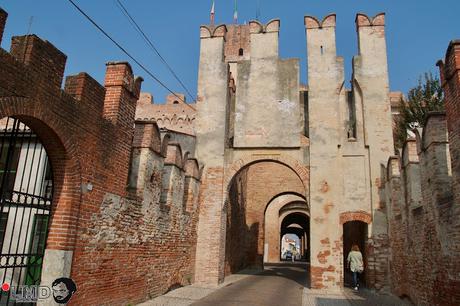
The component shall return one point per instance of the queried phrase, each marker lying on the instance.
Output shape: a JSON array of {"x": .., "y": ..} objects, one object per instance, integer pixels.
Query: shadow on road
[{"x": 295, "y": 272}]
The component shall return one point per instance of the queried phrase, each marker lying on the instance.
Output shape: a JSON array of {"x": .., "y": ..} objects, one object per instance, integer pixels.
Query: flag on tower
[
  {"x": 212, "y": 12},
  {"x": 235, "y": 14}
]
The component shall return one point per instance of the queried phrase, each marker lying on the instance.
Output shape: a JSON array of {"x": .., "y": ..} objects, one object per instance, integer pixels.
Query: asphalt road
[{"x": 276, "y": 285}]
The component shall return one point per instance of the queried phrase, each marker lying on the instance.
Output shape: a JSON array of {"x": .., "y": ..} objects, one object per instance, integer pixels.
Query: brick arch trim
[
  {"x": 355, "y": 216},
  {"x": 287, "y": 197},
  {"x": 61, "y": 148},
  {"x": 299, "y": 169}
]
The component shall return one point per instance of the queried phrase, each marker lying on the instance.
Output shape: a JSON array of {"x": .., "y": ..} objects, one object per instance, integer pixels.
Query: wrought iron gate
[{"x": 25, "y": 202}]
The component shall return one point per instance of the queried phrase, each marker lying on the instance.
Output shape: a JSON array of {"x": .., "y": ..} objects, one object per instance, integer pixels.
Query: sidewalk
[
  {"x": 190, "y": 294},
  {"x": 348, "y": 297}
]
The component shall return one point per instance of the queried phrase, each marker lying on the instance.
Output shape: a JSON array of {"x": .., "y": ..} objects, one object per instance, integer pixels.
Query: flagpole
[
  {"x": 213, "y": 13},
  {"x": 235, "y": 13}
]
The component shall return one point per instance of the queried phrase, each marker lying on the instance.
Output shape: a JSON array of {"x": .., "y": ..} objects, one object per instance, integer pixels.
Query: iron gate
[{"x": 25, "y": 201}]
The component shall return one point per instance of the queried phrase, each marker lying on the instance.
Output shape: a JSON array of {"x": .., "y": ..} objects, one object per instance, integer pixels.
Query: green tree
[{"x": 426, "y": 97}]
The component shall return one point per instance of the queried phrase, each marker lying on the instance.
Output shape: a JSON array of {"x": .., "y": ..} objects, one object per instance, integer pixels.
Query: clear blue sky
[{"x": 418, "y": 32}]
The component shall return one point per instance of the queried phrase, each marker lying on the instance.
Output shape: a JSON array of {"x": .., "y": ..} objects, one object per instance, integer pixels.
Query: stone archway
[
  {"x": 250, "y": 189},
  {"x": 296, "y": 221},
  {"x": 274, "y": 214},
  {"x": 301, "y": 170}
]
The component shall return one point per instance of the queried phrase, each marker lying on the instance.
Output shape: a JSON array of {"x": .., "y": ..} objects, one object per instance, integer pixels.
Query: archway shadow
[{"x": 295, "y": 272}]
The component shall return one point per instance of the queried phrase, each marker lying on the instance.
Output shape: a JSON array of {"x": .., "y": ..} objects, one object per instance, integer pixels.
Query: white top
[{"x": 355, "y": 260}]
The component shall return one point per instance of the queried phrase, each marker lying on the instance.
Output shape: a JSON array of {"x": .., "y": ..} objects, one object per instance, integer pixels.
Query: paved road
[
  {"x": 277, "y": 285},
  {"x": 280, "y": 285}
]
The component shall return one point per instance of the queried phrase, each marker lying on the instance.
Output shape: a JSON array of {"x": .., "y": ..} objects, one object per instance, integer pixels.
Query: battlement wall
[
  {"x": 109, "y": 177},
  {"x": 420, "y": 207},
  {"x": 174, "y": 114}
]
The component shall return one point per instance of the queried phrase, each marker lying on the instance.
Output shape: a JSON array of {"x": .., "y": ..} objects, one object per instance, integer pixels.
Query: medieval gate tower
[
  {"x": 99, "y": 183},
  {"x": 281, "y": 158}
]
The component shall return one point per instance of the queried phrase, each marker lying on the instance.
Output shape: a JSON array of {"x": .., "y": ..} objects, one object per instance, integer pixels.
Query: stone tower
[{"x": 280, "y": 158}]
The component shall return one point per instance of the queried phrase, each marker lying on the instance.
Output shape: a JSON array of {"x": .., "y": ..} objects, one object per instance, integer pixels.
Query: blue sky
[{"x": 418, "y": 33}]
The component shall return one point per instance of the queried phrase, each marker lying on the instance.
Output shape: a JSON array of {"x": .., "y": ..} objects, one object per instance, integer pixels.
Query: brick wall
[
  {"x": 421, "y": 214},
  {"x": 450, "y": 78},
  {"x": 125, "y": 248},
  {"x": 238, "y": 37},
  {"x": 174, "y": 114}
]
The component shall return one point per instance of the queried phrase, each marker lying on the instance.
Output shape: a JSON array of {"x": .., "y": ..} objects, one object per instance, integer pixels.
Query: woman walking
[{"x": 355, "y": 264}]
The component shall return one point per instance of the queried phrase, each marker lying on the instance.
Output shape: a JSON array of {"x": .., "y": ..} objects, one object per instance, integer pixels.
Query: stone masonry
[{"x": 254, "y": 119}]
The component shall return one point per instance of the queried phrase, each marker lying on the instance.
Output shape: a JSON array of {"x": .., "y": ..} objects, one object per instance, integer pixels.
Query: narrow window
[
  {"x": 322, "y": 50},
  {"x": 351, "y": 123},
  {"x": 241, "y": 52}
]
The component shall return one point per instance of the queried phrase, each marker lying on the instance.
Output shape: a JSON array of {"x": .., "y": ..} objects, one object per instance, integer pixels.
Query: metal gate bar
[{"x": 25, "y": 206}]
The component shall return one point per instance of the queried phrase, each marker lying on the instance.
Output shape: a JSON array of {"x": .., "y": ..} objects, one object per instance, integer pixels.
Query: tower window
[
  {"x": 176, "y": 102},
  {"x": 241, "y": 52}
]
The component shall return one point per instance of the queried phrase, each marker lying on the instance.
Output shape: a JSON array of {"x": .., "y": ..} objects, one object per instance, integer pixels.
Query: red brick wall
[
  {"x": 212, "y": 226},
  {"x": 450, "y": 77},
  {"x": 238, "y": 37},
  {"x": 424, "y": 261},
  {"x": 125, "y": 250}
]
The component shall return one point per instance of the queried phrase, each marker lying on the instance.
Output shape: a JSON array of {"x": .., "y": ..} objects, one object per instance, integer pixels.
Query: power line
[
  {"x": 124, "y": 50},
  {"x": 150, "y": 43}
]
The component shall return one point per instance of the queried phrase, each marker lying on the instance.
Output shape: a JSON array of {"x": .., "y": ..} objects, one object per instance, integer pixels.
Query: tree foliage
[{"x": 426, "y": 97}]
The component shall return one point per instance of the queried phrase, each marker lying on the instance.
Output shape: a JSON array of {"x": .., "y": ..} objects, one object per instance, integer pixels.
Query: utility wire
[
  {"x": 150, "y": 43},
  {"x": 124, "y": 50}
]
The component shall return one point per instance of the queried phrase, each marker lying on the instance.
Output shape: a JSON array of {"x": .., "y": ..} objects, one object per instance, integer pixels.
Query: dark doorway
[{"x": 354, "y": 232}]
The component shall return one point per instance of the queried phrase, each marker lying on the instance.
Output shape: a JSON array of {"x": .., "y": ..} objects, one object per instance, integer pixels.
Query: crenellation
[
  {"x": 411, "y": 174},
  {"x": 173, "y": 179},
  {"x": 85, "y": 89},
  {"x": 191, "y": 184},
  {"x": 41, "y": 57},
  {"x": 424, "y": 231},
  {"x": 192, "y": 168},
  {"x": 213, "y": 31},
  {"x": 264, "y": 39},
  {"x": 328, "y": 21},
  {"x": 122, "y": 92},
  {"x": 362, "y": 20},
  {"x": 147, "y": 135},
  {"x": 435, "y": 151},
  {"x": 174, "y": 155}
]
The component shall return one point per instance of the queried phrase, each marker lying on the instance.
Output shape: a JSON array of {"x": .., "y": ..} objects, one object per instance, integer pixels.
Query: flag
[
  {"x": 235, "y": 14},
  {"x": 212, "y": 12}
]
